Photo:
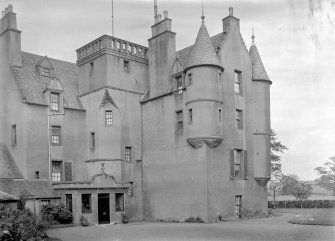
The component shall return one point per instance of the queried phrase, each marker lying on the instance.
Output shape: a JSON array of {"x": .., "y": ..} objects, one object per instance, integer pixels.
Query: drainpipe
[{"x": 49, "y": 139}]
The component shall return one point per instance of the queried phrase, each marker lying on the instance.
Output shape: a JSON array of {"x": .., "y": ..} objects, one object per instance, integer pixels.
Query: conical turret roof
[
  {"x": 203, "y": 52},
  {"x": 258, "y": 70}
]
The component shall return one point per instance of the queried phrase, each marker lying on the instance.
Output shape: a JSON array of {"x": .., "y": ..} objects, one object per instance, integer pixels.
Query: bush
[
  {"x": 305, "y": 204},
  {"x": 56, "y": 214},
  {"x": 83, "y": 221},
  {"x": 20, "y": 225},
  {"x": 246, "y": 213},
  {"x": 194, "y": 220}
]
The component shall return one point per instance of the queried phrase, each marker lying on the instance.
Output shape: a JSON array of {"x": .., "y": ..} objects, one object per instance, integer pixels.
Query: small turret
[
  {"x": 203, "y": 99},
  {"x": 261, "y": 114}
]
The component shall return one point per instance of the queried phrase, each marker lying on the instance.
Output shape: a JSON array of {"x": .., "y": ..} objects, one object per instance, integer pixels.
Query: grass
[{"x": 311, "y": 216}]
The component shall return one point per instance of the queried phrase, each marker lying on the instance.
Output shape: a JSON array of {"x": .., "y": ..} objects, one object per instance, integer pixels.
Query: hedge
[{"x": 305, "y": 204}]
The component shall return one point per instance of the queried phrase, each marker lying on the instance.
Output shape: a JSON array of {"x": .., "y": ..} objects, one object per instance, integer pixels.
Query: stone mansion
[{"x": 150, "y": 132}]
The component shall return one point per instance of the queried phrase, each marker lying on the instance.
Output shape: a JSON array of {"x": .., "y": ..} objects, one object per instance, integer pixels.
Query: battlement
[{"x": 113, "y": 44}]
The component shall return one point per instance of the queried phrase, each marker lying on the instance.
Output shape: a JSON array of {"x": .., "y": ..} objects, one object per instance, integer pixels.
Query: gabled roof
[
  {"x": 258, "y": 70},
  {"x": 8, "y": 167},
  {"x": 31, "y": 84},
  {"x": 107, "y": 98},
  {"x": 203, "y": 52},
  {"x": 39, "y": 188},
  {"x": 45, "y": 62}
]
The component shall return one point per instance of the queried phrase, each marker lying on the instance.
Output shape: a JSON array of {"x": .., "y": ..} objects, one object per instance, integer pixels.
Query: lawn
[{"x": 311, "y": 216}]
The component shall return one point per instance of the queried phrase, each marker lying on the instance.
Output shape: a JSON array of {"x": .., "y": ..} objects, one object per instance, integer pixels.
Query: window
[
  {"x": 13, "y": 135},
  {"x": 190, "y": 116},
  {"x": 179, "y": 120},
  {"x": 54, "y": 101},
  {"x": 127, "y": 154},
  {"x": 92, "y": 141},
  {"x": 45, "y": 71},
  {"x": 190, "y": 78},
  {"x": 119, "y": 202},
  {"x": 45, "y": 202},
  {"x": 91, "y": 68},
  {"x": 86, "y": 203},
  {"x": 179, "y": 81},
  {"x": 108, "y": 117},
  {"x": 239, "y": 119},
  {"x": 220, "y": 79},
  {"x": 56, "y": 175},
  {"x": 55, "y": 135},
  {"x": 37, "y": 175},
  {"x": 238, "y": 82},
  {"x": 220, "y": 115},
  {"x": 68, "y": 202},
  {"x": 238, "y": 204},
  {"x": 126, "y": 65},
  {"x": 131, "y": 189},
  {"x": 237, "y": 163}
]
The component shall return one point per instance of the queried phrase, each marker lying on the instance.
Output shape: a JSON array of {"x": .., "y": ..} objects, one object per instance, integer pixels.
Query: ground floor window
[
  {"x": 45, "y": 202},
  {"x": 68, "y": 202},
  {"x": 238, "y": 204},
  {"x": 119, "y": 202},
  {"x": 86, "y": 206}
]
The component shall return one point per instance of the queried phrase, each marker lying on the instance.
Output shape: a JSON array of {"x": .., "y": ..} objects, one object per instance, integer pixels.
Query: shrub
[
  {"x": 194, "y": 220},
  {"x": 20, "y": 225},
  {"x": 124, "y": 218},
  {"x": 56, "y": 214},
  {"x": 246, "y": 213},
  {"x": 304, "y": 204}
]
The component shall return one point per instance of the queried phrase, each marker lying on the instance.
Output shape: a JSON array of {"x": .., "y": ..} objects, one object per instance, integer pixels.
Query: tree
[
  {"x": 276, "y": 148},
  {"x": 275, "y": 184},
  {"x": 288, "y": 183},
  {"x": 301, "y": 191},
  {"x": 327, "y": 175}
]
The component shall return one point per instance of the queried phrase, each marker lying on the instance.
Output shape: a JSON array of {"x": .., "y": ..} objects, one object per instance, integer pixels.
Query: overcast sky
[{"x": 295, "y": 38}]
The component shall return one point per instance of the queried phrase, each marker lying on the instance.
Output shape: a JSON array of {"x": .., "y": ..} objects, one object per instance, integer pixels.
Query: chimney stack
[
  {"x": 166, "y": 14},
  {"x": 231, "y": 11},
  {"x": 10, "y": 37}
]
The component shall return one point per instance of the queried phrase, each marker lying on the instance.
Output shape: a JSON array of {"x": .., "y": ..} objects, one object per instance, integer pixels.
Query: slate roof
[
  {"x": 31, "y": 84},
  {"x": 8, "y": 167},
  {"x": 202, "y": 52},
  {"x": 258, "y": 70},
  {"x": 39, "y": 188}
]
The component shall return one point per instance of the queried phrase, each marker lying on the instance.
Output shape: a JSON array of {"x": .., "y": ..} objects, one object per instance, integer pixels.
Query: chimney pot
[
  {"x": 166, "y": 14},
  {"x": 159, "y": 17},
  {"x": 231, "y": 11}
]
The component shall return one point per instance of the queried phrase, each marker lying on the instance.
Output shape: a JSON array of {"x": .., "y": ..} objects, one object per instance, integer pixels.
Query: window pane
[
  {"x": 109, "y": 117},
  {"x": 127, "y": 154},
  {"x": 119, "y": 202},
  {"x": 55, "y": 134},
  {"x": 56, "y": 171},
  {"x": 86, "y": 203},
  {"x": 54, "y": 101}
]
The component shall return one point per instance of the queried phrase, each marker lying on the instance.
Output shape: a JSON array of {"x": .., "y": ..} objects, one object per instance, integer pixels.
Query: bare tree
[{"x": 327, "y": 175}]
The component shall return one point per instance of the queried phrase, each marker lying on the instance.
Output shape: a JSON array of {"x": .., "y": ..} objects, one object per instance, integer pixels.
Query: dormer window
[
  {"x": 54, "y": 101},
  {"x": 45, "y": 72},
  {"x": 179, "y": 81}
]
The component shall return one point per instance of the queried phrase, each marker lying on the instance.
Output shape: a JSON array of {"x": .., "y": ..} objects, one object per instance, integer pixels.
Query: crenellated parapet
[{"x": 115, "y": 45}]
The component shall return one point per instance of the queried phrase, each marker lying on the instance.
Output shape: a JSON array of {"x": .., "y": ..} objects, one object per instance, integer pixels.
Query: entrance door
[
  {"x": 103, "y": 208},
  {"x": 68, "y": 202}
]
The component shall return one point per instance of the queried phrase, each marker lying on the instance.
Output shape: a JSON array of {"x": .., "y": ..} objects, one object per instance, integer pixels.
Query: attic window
[{"x": 45, "y": 72}]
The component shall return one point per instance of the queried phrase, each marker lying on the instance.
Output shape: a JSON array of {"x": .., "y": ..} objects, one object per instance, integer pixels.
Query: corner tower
[
  {"x": 204, "y": 98},
  {"x": 261, "y": 112}
]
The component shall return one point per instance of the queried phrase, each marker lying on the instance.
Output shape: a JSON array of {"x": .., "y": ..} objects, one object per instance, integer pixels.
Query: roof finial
[
  {"x": 253, "y": 34},
  {"x": 203, "y": 15}
]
